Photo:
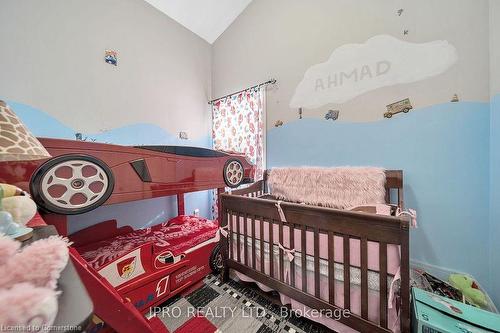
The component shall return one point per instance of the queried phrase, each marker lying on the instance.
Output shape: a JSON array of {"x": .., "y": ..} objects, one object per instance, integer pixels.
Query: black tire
[
  {"x": 231, "y": 180},
  {"x": 55, "y": 204},
  {"x": 406, "y": 110},
  {"x": 217, "y": 261}
]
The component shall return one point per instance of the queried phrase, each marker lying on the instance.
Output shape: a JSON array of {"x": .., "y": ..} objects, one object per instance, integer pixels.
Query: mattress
[
  {"x": 354, "y": 272},
  {"x": 177, "y": 235}
]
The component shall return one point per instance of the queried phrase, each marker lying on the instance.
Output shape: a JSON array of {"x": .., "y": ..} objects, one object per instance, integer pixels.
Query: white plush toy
[{"x": 22, "y": 208}]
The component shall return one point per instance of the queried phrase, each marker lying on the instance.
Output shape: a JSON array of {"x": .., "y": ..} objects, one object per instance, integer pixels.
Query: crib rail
[
  {"x": 331, "y": 223},
  {"x": 254, "y": 190}
]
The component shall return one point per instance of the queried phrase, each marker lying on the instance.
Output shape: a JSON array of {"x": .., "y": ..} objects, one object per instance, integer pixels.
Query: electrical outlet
[{"x": 196, "y": 212}]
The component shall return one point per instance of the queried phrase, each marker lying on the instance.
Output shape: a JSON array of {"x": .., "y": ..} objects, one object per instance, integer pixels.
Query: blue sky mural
[{"x": 444, "y": 153}]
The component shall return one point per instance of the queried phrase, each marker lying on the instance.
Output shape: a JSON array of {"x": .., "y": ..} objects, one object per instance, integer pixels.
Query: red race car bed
[
  {"x": 128, "y": 271},
  {"x": 82, "y": 176},
  {"x": 146, "y": 266}
]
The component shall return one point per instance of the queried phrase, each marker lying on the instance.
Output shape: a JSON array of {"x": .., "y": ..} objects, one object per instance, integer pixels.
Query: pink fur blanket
[{"x": 341, "y": 188}]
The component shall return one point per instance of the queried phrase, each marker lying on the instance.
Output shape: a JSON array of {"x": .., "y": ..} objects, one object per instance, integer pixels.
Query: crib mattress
[
  {"x": 177, "y": 235},
  {"x": 355, "y": 283},
  {"x": 355, "y": 272},
  {"x": 393, "y": 251}
]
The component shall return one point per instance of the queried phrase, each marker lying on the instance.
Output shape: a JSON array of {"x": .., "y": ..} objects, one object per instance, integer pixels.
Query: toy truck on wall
[{"x": 398, "y": 107}]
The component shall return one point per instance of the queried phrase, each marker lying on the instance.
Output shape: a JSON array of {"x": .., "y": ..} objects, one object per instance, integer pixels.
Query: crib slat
[
  {"x": 238, "y": 250},
  {"x": 364, "y": 278},
  {"x": 230, "y": 233},
  {"x": 245, "y": 246},
  {"x": 303, "y": 258},
  {"x": 292, "y": 246},
  {"x": 253, "y": 242},
  {"x": 347, "y": 274},
  {"x": 331, "y": 268},
  {"x": 262, "y": 245},
  {"x": 271, "y": 248},
  {"x": 282, "y": 269},
  {"x": 383, "y": 283},
  {"x": 316, "y": 263}
]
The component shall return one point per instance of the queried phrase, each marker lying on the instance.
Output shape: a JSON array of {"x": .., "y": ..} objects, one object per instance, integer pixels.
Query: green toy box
[{"x": 436, "y": 314}]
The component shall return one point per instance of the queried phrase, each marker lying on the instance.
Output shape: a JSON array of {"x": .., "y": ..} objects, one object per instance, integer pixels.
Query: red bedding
[{"x": 177, "y": 235}]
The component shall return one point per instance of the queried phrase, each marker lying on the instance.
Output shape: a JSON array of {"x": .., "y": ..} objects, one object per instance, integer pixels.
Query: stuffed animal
[
  {"x": 10, "y": 190},
  {"x": 22, "y": 208},
  {"x": 28, "y": 281},
  {"x": 18, "y": 203},
  {"x": 24, "y": 305},
  {"x": 469, "y": 289},
  {"x": 39, "y": 263},
  {"x": 16, "y": 209}
]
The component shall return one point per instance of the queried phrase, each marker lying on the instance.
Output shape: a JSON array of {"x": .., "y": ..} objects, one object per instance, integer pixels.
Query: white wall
[
  {"x": 283, "y": 38},
  {"x": 52, "y": 58},
  {"x": 52, "y": 71}
]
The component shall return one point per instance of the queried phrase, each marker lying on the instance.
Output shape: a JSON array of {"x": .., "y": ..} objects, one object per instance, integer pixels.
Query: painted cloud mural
[{"x": 381, "y": 61}]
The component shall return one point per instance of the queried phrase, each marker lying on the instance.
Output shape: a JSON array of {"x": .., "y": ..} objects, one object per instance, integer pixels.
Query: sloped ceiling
[{"x": 206, "y": 18}]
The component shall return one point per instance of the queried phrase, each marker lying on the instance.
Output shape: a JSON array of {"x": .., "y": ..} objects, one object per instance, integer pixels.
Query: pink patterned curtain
[{"x": 238, "y": 125}]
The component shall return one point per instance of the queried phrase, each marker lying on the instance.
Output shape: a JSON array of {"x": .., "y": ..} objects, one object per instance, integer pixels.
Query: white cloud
[{"x": 381, "y": 61}]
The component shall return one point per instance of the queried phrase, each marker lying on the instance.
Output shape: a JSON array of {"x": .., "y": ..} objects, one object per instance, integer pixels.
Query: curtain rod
[{"x": 272, "y": 81}]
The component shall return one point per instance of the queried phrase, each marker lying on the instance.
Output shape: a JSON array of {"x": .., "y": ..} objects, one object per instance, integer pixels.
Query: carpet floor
[{"x": 231, "y": 307}]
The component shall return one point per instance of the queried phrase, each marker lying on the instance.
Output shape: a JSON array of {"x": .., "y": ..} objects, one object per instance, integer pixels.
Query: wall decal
[
  {"x": 332, "y": 114},
  {"x": 454, "y": 98},
  {"x": 111, "y": 57},
  {"x": 79, "y": 137},
  {"x": 398, "y": 107},
  {"x": 383, "y": 60},
  {"x": 278, "y": 123}
]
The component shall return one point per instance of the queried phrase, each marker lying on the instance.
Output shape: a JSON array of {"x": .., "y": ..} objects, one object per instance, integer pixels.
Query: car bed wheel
[
  {"x": 72, "y": 184},
  {"x": 217, "y": 259},
  {"x": 233, "y": 173}
]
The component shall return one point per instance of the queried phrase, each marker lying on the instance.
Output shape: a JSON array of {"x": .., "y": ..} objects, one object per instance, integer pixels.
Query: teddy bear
[{"x": 28, "y": 282}]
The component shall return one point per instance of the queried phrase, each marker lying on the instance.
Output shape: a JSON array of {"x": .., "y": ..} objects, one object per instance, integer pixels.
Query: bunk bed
[{"x": 126, "y": 271}]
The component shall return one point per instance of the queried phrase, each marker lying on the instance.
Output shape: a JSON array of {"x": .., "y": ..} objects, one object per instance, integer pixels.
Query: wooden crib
[{"x": 249, "y": 204}]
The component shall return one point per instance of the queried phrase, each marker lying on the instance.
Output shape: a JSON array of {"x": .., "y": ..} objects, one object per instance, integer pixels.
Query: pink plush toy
[
  {"x": 27, "y": 306},
  {"x": 39, "y": 263},
  {"x": 28, "y": 279}
]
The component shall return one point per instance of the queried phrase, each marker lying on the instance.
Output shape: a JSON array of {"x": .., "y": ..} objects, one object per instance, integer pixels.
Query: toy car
[
  {"x": 397, "y": 107},
  {"x": 332, "y": 114},
  {"x": 82, "y": 176}
]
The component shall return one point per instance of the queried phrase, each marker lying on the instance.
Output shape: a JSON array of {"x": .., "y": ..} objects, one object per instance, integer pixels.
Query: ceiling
[{"x": 206, "y": 18}]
